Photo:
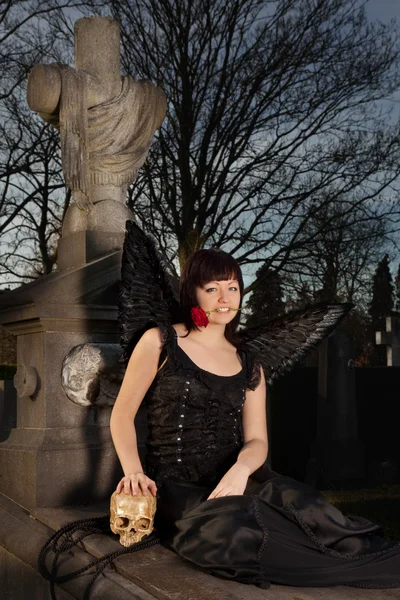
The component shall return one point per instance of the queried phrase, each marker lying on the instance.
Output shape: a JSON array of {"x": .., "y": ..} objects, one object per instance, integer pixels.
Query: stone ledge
[
  {"x": 155, "y": 573},
  {"x": 22, "y": 537},
  {"x": 163, "y": 575}
]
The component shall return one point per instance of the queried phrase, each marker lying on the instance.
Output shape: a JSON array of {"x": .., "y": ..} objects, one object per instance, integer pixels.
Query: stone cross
[
  {"x": 106, "y": 126},
  {"x": 391, "y": 339}
]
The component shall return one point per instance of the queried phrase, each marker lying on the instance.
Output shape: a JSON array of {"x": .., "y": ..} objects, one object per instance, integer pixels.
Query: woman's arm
[
  {"x": 255, "y": 448},
  {"x": 140, "y": 372},
  {"x": 255, "y": 437}
]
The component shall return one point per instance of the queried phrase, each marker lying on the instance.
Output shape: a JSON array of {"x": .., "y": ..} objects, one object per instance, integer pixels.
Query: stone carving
[
  {"x": 106, "y": 123},
  {"x": 91, "y": 374},
  {"x": 132, "y": 517},
  {"x": 25, "y": 381}
]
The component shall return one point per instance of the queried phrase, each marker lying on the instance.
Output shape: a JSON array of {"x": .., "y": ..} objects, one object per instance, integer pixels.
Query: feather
[
  {"x": 280, "y": 343},
  {"x": 146, "y": 297}
]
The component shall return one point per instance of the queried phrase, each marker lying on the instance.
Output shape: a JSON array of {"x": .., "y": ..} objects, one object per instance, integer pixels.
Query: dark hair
[{"x": 200, "y": 268}]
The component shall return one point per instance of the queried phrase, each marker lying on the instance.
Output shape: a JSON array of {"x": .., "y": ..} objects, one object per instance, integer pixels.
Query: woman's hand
[
  {"x": 233, "y": 482},
  {"x": 134, "y": 481}
]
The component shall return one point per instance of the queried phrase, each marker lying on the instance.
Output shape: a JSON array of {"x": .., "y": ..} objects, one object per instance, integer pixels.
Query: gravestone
[
  {"x": 338, "y": 456},
  {"x": 59, "y": 452},
  {"x": 391, "y": 339}
]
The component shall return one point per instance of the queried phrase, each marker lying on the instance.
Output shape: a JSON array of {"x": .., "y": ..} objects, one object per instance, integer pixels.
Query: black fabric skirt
[{"x": 280, "y": 531}]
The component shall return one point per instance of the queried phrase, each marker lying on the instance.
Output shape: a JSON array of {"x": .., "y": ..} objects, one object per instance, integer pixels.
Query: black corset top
[{"x": 195, "y": 417}]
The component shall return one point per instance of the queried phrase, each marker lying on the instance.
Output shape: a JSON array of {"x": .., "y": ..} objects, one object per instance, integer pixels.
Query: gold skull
[{"x": 132, "y": 517}]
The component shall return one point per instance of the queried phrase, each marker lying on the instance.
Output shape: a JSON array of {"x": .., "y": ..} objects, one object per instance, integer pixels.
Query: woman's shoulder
[{"x": 153, "y": 337}]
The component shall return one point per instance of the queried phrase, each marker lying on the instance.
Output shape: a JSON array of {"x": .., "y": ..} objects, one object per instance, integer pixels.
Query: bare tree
[
  {"x": 337, "y": 254},
  {"x": 32, "y": 195},
  {"x": 27, "y": 37},
  {"x": 274, "y": 114},
  {"x": 33, "y": 199},
  {"x": 269, "y": 105}
]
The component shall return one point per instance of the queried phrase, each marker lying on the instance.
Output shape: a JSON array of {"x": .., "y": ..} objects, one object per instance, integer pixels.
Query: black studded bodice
[{"x": 194, "y": 417}]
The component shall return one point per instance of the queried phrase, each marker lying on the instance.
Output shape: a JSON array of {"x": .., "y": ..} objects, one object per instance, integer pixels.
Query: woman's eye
[{"x": 234, "y": 288}]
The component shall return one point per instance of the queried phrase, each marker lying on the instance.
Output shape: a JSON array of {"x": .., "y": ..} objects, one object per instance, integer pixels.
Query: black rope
[{"x": 62, "y": 541}]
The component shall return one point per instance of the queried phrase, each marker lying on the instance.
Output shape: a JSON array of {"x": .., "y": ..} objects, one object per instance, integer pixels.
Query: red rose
[{"x": 199, "y": 317}]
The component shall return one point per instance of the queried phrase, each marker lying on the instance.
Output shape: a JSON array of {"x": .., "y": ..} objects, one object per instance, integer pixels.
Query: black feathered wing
[
  {"x": 146, "y": 298},
  {"x": 281, "y": 342}
]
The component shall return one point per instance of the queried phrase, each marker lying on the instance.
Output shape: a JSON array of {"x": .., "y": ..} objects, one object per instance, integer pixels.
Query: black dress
[{"x": 280, "y": 531}]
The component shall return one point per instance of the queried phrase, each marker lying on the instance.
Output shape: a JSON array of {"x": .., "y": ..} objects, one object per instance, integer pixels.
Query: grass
[{"x": 380, "y": 505}]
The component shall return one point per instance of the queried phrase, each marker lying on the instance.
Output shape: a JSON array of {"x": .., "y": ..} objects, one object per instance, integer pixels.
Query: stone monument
[
  {"x": 59, "y": 451},
  {"x": 106, "y": 125}
]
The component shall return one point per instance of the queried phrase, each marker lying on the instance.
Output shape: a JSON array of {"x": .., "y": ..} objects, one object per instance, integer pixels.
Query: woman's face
[{"x": 219, "y": 297}]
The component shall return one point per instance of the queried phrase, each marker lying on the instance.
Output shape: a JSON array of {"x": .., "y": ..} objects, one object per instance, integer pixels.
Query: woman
[{"x": 218, "y": 503}]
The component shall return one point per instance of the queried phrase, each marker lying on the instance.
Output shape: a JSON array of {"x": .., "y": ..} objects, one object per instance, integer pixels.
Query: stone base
[
  {"x": 82, "y": 247},
  {"x": 58, "y": 466},
  {"x": 87, "y": 236},
  {"x": 105, "y": 214}
]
